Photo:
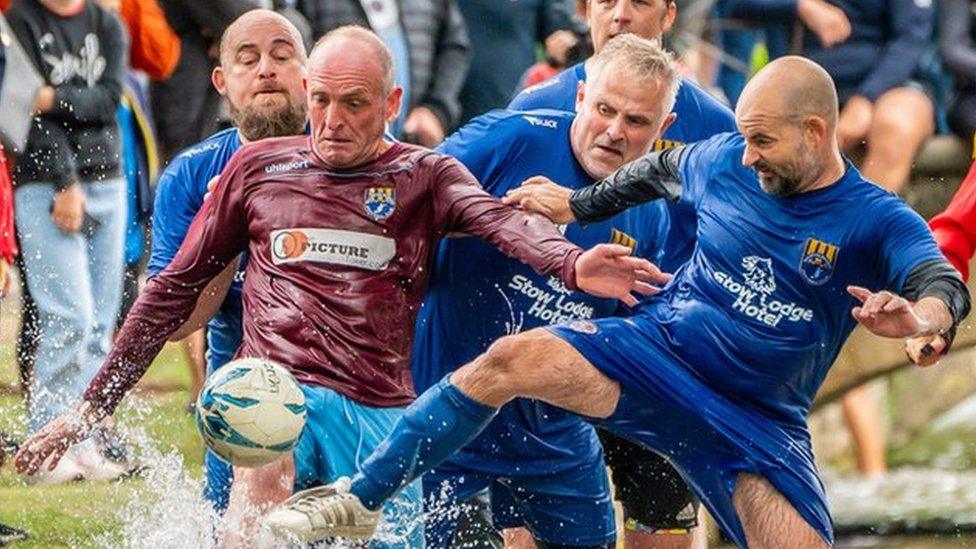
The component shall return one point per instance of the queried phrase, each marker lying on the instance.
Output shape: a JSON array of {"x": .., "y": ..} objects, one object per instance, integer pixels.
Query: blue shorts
[
  {"x": 709, "y": 438},
  {"x": 570, "y": 507},
  {"x": 339, "y": 434}
]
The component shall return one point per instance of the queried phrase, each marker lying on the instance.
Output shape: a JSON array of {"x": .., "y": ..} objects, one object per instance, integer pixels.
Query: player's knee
[{"x": 272, "y": 482}]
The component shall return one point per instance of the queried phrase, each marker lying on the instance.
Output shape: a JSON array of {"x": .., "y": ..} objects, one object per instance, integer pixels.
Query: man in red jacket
[{"x": 955, "y": 228}]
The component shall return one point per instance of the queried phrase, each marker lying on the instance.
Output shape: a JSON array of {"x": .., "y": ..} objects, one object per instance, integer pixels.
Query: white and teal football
[{"x": 250, "y": 412}]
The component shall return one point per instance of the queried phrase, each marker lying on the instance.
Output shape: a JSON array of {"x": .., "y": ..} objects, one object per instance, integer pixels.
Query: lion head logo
[{"x": 759, "y": 274}]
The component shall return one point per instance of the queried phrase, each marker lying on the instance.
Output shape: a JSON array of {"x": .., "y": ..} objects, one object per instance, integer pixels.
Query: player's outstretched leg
[
  {"x": 769, "y": 519},
  {"x": 534, "y": 364}
]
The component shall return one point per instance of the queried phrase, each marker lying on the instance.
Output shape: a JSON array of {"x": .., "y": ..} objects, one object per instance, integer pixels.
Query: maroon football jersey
[{"x": 338, "y": 262}]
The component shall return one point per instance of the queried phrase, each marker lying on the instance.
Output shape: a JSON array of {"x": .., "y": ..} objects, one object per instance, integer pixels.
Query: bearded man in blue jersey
[
  {"x": 659, "y": 510},
  {"x": 262, "y": 63},
  {"x": 717, "y": 372},
  {"x": 543, "y": 467}
]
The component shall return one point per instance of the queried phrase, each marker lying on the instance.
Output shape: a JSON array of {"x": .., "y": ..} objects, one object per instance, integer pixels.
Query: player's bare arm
[{"x": 650, "y": 177}]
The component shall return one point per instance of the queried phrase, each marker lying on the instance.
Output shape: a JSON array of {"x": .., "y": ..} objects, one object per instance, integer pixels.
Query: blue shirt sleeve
[
  {"x": 907, "y": 242},
  {"x": 697, "y": 164},
  {"x": 481, "y": 145},
  {"x": 175, "y": 207}
]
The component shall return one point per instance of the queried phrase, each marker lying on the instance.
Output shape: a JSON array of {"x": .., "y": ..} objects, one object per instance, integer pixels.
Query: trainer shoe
[
  {"x": 9, "y": 534},
  {"x": 67, "y": 470},
  {"x": 323, "y": 512}
]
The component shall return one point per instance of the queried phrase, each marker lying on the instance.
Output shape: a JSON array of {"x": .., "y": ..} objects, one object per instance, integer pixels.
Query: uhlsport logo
[
  {"x": 366, "y": 251},
  {"x": 818, "y": 260},
  {"x": 754, "y": 295},
  {"x": 286, "y": 166},
  {"x": 380, "y": 202}
]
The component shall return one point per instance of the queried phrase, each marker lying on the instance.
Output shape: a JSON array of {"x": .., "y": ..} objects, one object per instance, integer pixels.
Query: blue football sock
[{"x": 437, "y": 424}]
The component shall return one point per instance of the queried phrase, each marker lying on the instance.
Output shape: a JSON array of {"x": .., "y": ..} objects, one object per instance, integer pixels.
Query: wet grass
[{"x": 78, "y": 514}]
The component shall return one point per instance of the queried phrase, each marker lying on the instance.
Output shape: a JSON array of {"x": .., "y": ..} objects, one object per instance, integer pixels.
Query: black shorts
[{"x": 654, "y": 496}]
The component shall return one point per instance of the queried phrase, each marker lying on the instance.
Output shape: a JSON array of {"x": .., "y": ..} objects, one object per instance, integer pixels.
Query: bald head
[
  {"x": 255, "y": 23},
  {"x": 793, "y": 88},
  {"x": 352, "y": 42}
]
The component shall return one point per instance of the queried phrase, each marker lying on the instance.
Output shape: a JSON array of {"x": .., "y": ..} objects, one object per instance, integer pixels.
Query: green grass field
[{"x": 86, "y": 514}]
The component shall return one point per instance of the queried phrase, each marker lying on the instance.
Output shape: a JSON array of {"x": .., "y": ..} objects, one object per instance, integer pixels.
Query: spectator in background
[
  {"x": 8, "y": 249},
  {"x": 504, "y": 39},
  {"x": 744, "y": 21},
  {"x": 70, "y": 204},
  {"x": 874, "y": 70},
  {"x": 957, "y": 46},
  {"x": 185, "y": 106},
  {"x": 430, "y": 46}
]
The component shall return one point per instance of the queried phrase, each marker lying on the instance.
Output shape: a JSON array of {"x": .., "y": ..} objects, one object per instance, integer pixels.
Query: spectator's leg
[
  {"x": 864, "y": 421},
  {"x": 106, "y": 204},
  {"x": 903, "y": 119},
  {"x": 57, "y": 274},
  {"x": 29, "y": 331}
]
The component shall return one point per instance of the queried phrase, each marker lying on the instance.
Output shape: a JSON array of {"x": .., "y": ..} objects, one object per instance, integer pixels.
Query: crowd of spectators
[{"x": 127, "y": 85}]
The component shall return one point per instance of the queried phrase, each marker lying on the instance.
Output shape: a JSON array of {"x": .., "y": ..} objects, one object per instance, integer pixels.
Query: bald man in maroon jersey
[{"x": 340, "y": 227}]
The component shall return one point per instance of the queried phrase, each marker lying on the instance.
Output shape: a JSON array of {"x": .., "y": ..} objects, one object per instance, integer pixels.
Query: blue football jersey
[
  {"x": 699, "y": 116},
  {"x": 761, "y": 310},
  {"x": 478, "y": 294},
  {"x": 179, "y": 195}
]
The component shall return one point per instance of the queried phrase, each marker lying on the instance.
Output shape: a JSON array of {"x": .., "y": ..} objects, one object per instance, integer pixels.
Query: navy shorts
[
  {"x": 570, "y": 508},
  {"x": 709, "y": 438}
]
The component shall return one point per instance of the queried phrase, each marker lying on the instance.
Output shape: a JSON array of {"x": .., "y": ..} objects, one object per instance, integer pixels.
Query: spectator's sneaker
[
  {"x": 67, "y": 470},
  {"x": 10, "y": 534},
  {"x": 95, "y": 466},
  {"x": 323, "y": 512}
]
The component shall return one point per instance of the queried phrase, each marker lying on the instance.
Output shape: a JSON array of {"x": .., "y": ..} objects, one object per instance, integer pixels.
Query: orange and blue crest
[{"x": 818, "y": 261}]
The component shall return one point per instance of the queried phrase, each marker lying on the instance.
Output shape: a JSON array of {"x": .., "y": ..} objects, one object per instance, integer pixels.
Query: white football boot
[{"x": 323, "y": 512}]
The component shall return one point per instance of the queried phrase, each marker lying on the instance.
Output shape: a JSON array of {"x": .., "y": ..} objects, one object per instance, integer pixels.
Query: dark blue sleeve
[
  {"x": 481, "y": 145},
  {"x": 696, "y": 165},
  {"x": 907, "y": 242},
  {"x": 177, "y": 203},
  {"x": 910, "y": 23},
  {"x": 559, "y": 93}
]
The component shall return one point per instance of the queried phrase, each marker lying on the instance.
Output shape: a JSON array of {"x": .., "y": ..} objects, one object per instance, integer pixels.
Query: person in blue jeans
[
  {"x": 70, "y": 202},
  {"x": 247, "y": 79}
]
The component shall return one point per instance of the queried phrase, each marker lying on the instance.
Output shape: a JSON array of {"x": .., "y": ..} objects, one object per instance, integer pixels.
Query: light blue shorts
[{"x": 339, "y": 435}]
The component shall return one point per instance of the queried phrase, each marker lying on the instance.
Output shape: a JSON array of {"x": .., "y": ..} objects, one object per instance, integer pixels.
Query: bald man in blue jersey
[
  {"x": 716, "y": 372},
  {"x": 658, "y": 508}
]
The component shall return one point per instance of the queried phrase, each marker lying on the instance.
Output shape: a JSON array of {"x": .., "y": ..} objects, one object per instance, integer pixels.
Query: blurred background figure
[
  {"x": 70, "y": 203},
  {"x": 957, "y": 46},
  {"x": 885, "y": 106},
  {"x": 185, "y": 106},
  {"x": 514, "y": 31},
  {"x": 430, "y": 46}
]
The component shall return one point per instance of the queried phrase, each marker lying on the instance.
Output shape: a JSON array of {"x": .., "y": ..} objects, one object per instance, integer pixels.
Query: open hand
[
  {"x": 50, "y": 443},
  {"x": 540, "y": 195},
  {"x": 608, "y": 270},
  {"x": 886, "y": 314}
]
